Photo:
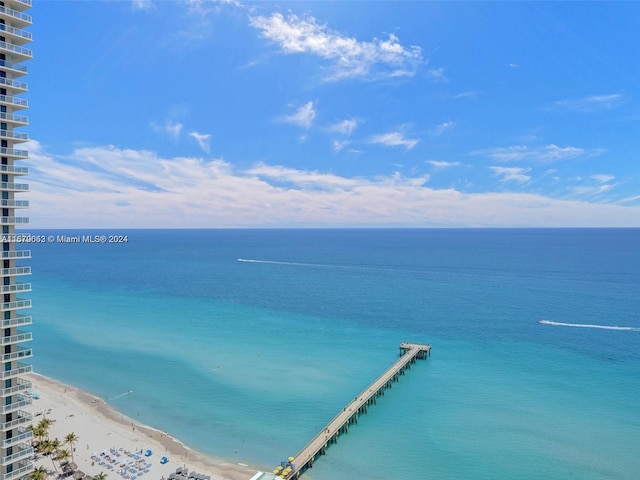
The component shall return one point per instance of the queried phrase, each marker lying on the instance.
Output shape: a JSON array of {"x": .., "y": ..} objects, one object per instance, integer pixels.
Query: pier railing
[{"x": 409, "y": 353}]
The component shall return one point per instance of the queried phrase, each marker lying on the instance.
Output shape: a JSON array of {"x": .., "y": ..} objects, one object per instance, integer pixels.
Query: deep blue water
[{"x": 251, "y": 340}]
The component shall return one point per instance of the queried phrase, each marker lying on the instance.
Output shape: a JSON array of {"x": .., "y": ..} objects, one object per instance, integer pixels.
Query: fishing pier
[{"x": 295, "y": 466}]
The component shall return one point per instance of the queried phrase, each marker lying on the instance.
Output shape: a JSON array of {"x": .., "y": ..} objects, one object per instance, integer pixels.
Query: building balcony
[
  {"x": 21, "y": 303},
  {"x": 16, "y": 51},
  {"x": 14, "y": 220},
  {"x": 15, "y": 254},
  {"x": 18, "y": 36},
  {"x": 21, "y": 452},
  {"x": 19, "y": 337},
  {"x": 14, "y": 203},
  {"x": 15, "y": 136},
  {"x": 14, "y": 102},
  {"x": 15, "y": 288},
  {"x": 21, "y": 386},
  {"x": 18, "y": 18},
  {"x": 14, "y": 85},
  {"x": 18, "y": 4},
  {"x": 15, "y": 271},
  {"x": 18, "y": 120},
  {"x": 22, "y": 369},
  {"x": 15, "y": 68},
  {"x": 18, "y": 321},
  {"x": 21, "y": 354},
  {"x": 22, "y": 418},
  {"x": 12, "y": 407},
  {"x": 12, "y": 152},
  {"x": 23, "y": 469},
  {"x": 14, "y": 171},
  {"x": 24, "y": 435},
  {"x": 14, "y": 187}
]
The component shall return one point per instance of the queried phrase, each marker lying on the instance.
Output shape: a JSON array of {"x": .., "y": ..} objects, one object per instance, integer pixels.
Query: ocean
[{"x": 243, "y": 344}]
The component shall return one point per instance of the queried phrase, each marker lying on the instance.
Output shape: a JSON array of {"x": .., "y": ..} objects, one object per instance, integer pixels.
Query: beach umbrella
[
  {"x": 73, "y": 466},
  {"x": 291, "y": 459},
  {"x": 78, "y": 475}
]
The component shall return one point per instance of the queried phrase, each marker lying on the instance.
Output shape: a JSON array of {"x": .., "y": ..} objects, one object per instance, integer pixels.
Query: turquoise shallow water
[{"x": 249, "y": 359}]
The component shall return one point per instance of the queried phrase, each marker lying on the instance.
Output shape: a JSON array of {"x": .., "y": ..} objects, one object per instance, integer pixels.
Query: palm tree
[
  {"x": 71, "y": 439},
  {"x": 63, "y": 455},
  {"x": 45, "y": 423},
  {"x": 100, "y": 476},
  {"x": 45, "y": 446},
  {"x": 40, "y": 433},
  {"x": 54, "y": 446},
  {"x": 40, "y": 473}
]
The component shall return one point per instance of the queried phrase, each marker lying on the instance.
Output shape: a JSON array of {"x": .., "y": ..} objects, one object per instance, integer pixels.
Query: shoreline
[{"x": 101, "y": 427}]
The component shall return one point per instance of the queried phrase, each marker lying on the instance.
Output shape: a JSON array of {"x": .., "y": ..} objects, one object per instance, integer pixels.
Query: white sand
[{"x": 99, "y": 427}]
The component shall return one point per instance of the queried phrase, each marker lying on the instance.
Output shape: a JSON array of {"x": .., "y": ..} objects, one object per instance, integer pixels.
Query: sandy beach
[{"x": 100, "y": 428}]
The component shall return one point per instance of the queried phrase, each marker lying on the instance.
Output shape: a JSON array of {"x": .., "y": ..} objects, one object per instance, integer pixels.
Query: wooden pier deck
[{"x": 409, "y": 353}]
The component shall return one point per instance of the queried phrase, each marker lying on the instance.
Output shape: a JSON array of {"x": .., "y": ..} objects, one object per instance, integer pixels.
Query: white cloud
[
  {"x": 554, "y": 152},
  {"x": 591, "y": 191},
  {"x": 170, "y": 129},
  {"x": 511, "y": 174},
  {"x": 443, "y": 127},
  {"x": 394, "y": 139},
  {"x": 632, "y": 199},
  {"x": 142, "y": 4},
  {"x": 469, "y": 94},
  {"x": 202, "y": 139},
  {"x": 339, "y": 145},
  {"x": 194, "y": 21},
  {"x": 201, "y": 7},
  {"x": 345, "y": 127},
  {"x": 108, "y": 187},
  {"x": 591, "y": 103},
  {"x": 548, "y": 153},
  {"x": 441, "y": 165},
  {"x": 437, "y": 75},
  {"x": 348, "y": 57},
  {"x": 303, "y": 117},
  {"x": 603, "y": 178},
  {"x": 594, "y": 186}
]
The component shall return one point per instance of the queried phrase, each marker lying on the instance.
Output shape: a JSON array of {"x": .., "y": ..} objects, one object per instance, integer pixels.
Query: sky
[{"x": 217, "y": 114}]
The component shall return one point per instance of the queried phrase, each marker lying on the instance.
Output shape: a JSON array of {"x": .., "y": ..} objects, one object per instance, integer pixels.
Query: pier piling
[{"x": 409, "y": 353}]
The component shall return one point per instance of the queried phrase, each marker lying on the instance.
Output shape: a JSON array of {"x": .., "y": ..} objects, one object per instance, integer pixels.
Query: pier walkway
[{"x": 409, "y": 353}]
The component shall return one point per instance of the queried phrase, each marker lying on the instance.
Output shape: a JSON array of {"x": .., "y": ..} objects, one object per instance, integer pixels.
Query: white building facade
[{"x": 16, "y": 452}]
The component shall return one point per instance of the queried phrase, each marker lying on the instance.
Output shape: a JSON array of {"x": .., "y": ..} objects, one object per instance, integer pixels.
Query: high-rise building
[{"x": 16, "y": 452}]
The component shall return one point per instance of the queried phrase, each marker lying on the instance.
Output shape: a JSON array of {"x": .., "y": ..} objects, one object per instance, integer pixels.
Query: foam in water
[
  {"x": 586, "y": 325},
  {"x": 276, "y": 262}
]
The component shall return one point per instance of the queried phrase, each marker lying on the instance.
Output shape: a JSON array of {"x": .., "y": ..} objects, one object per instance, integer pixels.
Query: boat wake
[
  {"x": 128, "y": 392},
  {"x": 275, "y": 262},
  {"x": 587, "y": 325}
]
